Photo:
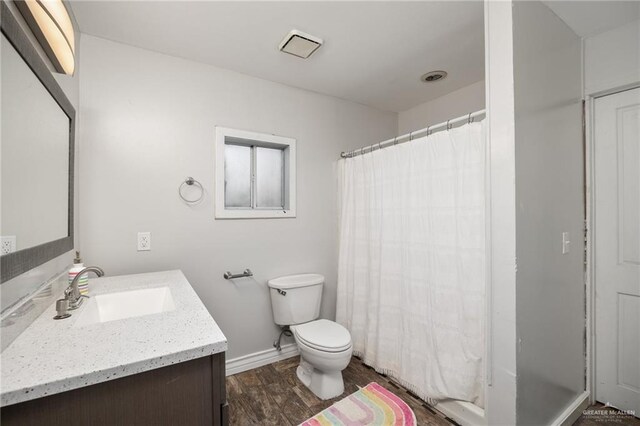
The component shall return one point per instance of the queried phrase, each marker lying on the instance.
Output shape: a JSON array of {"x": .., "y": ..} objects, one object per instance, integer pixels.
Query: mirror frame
[{"x": 21, "y": 261}]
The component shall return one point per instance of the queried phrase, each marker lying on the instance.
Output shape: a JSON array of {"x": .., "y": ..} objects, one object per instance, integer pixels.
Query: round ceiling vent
[{"x": 433, "y": 76}]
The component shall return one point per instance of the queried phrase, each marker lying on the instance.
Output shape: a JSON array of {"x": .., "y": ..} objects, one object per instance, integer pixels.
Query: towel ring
[{"x": 189, "y": 181}]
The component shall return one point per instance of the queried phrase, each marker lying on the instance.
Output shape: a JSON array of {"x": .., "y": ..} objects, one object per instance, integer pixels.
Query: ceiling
[
  {"x": 374, "y": 52},
  {"x": 587, "y": 18}
]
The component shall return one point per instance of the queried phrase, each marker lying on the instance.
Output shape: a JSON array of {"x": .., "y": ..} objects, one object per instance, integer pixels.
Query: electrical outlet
[
  {"x": 8, "y": 244},
  {"x": 565, "y": 242},
  {"x": 144, "y": 241}
]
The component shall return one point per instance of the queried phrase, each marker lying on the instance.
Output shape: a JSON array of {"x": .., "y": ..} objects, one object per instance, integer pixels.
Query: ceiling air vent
[
  {"x": 433, "y": 76},
  {"x": 300, "y": 44}
]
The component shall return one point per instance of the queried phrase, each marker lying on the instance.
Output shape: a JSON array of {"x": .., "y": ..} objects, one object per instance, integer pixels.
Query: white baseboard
[
  {"x": 258, "y": 359},
  {"x": 573, "y": 411}
]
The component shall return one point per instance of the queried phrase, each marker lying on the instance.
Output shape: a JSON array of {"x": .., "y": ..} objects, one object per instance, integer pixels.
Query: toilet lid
[{"x": 324, "y": 335}]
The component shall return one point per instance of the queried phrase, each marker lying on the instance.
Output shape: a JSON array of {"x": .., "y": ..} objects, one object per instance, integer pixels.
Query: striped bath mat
[{"x": 371, "y": 405}]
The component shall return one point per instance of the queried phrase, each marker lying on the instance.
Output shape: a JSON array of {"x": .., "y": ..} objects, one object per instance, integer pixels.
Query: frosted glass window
[
  {"x": 237, "y": 176},
  {"x": 269, "y": 177},
  {"x": 255, "y": 175}
]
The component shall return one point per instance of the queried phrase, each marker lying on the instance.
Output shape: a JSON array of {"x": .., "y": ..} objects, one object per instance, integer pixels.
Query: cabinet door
[{"x": 187, "y": 393}]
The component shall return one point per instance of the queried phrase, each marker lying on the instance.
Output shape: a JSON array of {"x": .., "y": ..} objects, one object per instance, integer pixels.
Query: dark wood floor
[
  {"x": 611, "y": 417},
  {"x": 273, "y": 395}
]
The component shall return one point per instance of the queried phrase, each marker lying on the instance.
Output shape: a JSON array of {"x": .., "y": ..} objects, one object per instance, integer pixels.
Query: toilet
[{"x": 325, "y": 346}]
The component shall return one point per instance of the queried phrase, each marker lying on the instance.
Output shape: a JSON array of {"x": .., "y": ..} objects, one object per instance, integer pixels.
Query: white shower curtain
[{"x": 411, "y": 276}]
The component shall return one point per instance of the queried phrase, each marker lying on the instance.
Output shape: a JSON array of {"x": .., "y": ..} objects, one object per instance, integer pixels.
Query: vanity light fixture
[
  {"x": 50, "y": 22},
  {"x": 300, "y": 44}
]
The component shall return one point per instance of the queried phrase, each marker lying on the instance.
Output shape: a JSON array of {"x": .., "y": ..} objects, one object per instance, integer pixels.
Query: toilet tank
[{"x": 295, "y": 299}]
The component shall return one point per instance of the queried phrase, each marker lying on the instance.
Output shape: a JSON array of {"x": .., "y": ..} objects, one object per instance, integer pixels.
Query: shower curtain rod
[{"x": 446, "y": 124}]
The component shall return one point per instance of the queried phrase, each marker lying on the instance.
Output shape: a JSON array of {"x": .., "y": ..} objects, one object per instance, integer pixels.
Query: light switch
[{"x": 565, "y": 242}]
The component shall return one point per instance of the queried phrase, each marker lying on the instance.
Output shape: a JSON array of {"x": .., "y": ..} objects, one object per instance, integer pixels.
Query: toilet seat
[{"x": 323, "y": 335}]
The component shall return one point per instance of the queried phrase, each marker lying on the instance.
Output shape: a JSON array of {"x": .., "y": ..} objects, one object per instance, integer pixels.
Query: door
[{"x": 617, "y": 249}]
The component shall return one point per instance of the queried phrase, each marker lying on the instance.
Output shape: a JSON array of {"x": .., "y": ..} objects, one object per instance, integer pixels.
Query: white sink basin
[{"x": 125, "y": 304}]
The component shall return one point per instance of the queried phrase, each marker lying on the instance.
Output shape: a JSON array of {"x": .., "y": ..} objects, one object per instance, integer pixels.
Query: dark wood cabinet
[{"x": 187, "y": 393}]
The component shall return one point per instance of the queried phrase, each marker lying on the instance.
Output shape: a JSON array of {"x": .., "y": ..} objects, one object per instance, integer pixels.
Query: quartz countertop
[{"x": 53, "y": 356}]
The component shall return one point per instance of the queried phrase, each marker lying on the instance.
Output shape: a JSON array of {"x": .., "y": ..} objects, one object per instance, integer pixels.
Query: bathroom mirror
[{"x": 36, "y": 151}]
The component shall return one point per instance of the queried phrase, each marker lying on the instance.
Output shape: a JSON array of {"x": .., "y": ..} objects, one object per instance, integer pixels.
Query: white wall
[
  {"x": 22, "y": 286},
  {"x": 148, "y": 122},
  {"x": 550, "y": 289},
  {"x": 455, "y": 104},
  {"x": 612, "y": 59},
  {"x": 536, "y": 295}
]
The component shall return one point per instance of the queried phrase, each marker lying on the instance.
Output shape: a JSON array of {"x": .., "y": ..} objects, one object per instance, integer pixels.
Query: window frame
[{"x": 224, "y": 136}]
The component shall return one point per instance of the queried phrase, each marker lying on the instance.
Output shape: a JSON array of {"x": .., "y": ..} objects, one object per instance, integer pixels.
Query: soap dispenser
[{"x": 83, "y": 281}]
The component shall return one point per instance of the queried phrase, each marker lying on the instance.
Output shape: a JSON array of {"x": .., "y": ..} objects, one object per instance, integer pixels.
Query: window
[{"x": 255, "y": 175}]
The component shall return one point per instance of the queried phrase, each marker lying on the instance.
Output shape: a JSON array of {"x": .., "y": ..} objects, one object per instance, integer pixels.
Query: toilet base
[{"x": 323, "y": 385}]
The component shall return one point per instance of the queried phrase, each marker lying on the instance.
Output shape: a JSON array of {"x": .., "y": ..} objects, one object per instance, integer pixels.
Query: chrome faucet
[
  {"x": 72, "y": 293},
  {"x": 72, "y": 297}
]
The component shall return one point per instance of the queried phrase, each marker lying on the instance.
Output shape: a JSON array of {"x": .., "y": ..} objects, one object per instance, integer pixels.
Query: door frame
[{"x": 590, "y": 210}]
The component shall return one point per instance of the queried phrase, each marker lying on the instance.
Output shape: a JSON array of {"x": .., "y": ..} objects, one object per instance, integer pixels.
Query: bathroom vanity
[{"x": 142, "y": 350}]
